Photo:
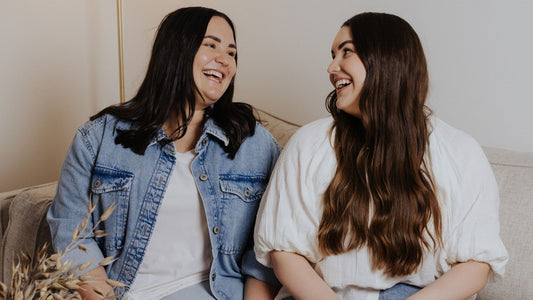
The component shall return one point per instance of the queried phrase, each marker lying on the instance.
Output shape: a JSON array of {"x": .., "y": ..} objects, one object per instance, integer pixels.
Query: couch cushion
[
  {"x": 514, "y": 174},
  {"x": 27, "y": 229},
  {"x": 280, "y": 129}
]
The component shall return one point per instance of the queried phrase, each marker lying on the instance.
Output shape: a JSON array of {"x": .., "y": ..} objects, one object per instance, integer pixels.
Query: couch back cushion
[{"x": 514, "y": 174}]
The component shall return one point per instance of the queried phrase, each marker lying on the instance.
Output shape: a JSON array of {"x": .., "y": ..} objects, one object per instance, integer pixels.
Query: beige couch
[{"x": 23, "y": 222}]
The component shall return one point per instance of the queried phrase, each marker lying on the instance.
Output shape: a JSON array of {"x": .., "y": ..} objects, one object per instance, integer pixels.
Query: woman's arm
[
  {"x": 460, "y": 282},
  {"x": 258, "y": 290},
  {"x": 300, "y": 279},
  {"x": 98, "y": 281}
]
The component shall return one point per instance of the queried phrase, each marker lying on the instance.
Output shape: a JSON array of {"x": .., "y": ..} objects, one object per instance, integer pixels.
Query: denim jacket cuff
[{"x": 251, "y": 267}]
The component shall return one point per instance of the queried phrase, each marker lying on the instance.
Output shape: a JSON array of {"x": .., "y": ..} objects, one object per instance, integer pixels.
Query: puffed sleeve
[
  {"x": 291, "y": 208},
  {"x": 473, "y": 215}
]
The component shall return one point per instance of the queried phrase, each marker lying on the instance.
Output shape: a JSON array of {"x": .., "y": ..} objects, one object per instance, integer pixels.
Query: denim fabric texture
[
  {"x": 399, "y": 291},
  {"x": 230, "y": 190}
]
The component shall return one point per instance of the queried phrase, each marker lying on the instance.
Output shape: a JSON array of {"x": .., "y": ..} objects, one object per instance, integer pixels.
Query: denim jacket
[{"x": 95, "y": 167}]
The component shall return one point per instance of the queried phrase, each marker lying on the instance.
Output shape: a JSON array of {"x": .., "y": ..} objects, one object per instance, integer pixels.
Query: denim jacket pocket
[
  {"x": 240, "y": 200},
  {"x": 111, "y": 187},
  {"x": 245, "y": 187}
]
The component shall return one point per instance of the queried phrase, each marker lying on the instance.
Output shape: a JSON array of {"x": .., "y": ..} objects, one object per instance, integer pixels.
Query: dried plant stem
[{"x": 45, "y": 277}]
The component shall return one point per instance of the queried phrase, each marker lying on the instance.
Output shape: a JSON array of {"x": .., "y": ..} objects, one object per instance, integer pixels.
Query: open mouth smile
[
  {"x": 214, "y": 75},
  {"x": 341, "y": 83}
]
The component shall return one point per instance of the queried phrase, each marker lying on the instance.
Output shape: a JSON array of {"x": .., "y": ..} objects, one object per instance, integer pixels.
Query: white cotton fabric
[
  {"x": 291, "y": 210},
  {"x": 178, "y": 254}
]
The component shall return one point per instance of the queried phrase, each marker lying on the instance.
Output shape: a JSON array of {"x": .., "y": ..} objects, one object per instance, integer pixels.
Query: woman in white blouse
[{"x": 381, "y": 200}]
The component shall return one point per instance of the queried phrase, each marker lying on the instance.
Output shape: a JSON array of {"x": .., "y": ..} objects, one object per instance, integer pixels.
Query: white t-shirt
[
  {"x": 178, "y": 254},
  {"x": 291, "y": 210}
]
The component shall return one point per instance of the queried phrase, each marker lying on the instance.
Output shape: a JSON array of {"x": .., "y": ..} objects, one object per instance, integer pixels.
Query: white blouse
[{"x": 291, "y": 210}]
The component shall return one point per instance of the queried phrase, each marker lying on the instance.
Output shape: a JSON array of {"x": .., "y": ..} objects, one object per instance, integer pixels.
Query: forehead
[
  {"x": 343, "y": 35},
  {"x": 220, "y": 28}
]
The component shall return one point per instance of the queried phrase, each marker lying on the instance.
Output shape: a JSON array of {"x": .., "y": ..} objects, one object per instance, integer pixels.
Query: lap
[
  {"x": 398, "y": 292},
  {"x": 200, "y": 291}
]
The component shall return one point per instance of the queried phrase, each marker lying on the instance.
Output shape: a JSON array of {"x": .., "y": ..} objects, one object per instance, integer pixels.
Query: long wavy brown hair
[{"x": 382, "y": 195}]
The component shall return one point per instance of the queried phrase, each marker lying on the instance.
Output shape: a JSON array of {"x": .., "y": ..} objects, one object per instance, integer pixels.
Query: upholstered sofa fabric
[
  {"x": 514, "y": 174},
  {"x": 23, "y": 217},
  {"x": 23, "y": 224}
]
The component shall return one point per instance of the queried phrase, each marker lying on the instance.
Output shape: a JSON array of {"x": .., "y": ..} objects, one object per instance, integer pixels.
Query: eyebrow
[
  {"x": 216, "y": 39},
  {"x": 339, "y": 47}
]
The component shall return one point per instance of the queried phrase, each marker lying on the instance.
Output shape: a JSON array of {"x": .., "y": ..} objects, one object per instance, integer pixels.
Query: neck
[{"x": 194, "y": 130}]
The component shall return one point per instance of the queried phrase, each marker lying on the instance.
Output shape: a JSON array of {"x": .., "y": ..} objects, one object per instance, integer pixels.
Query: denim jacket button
[
  {"x": 247, "y": 193},
  {"x": 214, "y": 276},
  {"x": 97, "y": 183},
  {"x": 216, "y": 230},
  {"x": 203, "y": 177},
  {"x": 204, "y": 142}
]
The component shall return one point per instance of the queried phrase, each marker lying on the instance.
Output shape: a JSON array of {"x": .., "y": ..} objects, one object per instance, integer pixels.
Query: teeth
[
  {"x": 342, "y": 83},
  {"x": 213, "y": 73}
]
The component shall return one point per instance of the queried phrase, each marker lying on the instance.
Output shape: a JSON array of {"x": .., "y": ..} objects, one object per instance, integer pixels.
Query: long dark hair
[
  {"x": 168, "y": 87},
  {"x": 382, "y": 194}
]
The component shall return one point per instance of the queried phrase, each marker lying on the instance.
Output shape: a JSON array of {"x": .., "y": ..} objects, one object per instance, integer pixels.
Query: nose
[
  {"x": 222, "y": 58},
  {"x": 334, "y": 67}
]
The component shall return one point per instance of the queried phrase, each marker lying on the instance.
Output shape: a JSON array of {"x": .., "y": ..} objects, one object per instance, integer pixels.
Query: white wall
[
  {"x": 479, "y": 56},
  {"x": 59, "y": 65}
]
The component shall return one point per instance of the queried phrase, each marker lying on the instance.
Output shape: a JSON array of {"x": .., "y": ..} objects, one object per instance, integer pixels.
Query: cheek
[
  {"x": 200, "y": 59},
  {"x": 232, "y": 70}
]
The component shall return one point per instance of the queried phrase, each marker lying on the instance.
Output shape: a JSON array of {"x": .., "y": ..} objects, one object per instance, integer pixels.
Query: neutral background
[{"x": 59, "y": 65}]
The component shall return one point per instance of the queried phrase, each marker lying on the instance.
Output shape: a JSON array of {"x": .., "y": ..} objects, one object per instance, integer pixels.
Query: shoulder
[
  {"x": 260, "y": 141},
  {"x": 103, "y": 123},
  {"x": 458, "y": 162},
  {"x": 258, "y": 151},
  {"x": 262, "y": 135},
  {"x": 309, "y": 153},
  {"x": 102, "y": 130},
  {"x": 455, "y": 142},
  {"x": 311, "y": 136}
]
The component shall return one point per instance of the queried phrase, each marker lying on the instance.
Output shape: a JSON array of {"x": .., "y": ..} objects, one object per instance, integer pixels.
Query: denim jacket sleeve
[
  {"x": 250, "y": 265},
  {"x": 70, "y": 205}
]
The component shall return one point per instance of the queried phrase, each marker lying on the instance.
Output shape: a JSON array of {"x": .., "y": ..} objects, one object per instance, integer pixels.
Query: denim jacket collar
[
  {"x": 209, "y": 128},
  {"x": 214, "y": 130}
]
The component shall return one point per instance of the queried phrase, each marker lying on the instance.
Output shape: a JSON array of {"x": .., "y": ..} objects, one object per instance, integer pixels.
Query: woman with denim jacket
[{"x": 185, "y": 168}]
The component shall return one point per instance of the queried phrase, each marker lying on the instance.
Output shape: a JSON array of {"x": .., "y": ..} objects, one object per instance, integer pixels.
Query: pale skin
[
  {"x": 299, "y": 278},
  {"x": 99, "y": 283},
  {"x": 296, "y": 274},
  {"x": 255, "y": 289}
]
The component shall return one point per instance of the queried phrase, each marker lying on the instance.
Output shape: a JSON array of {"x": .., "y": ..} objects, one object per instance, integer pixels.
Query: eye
[
  {"x": 347, "y": 51},
  {"x": 210, "y": 45},
  {"x": 232, "y": 53}
]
